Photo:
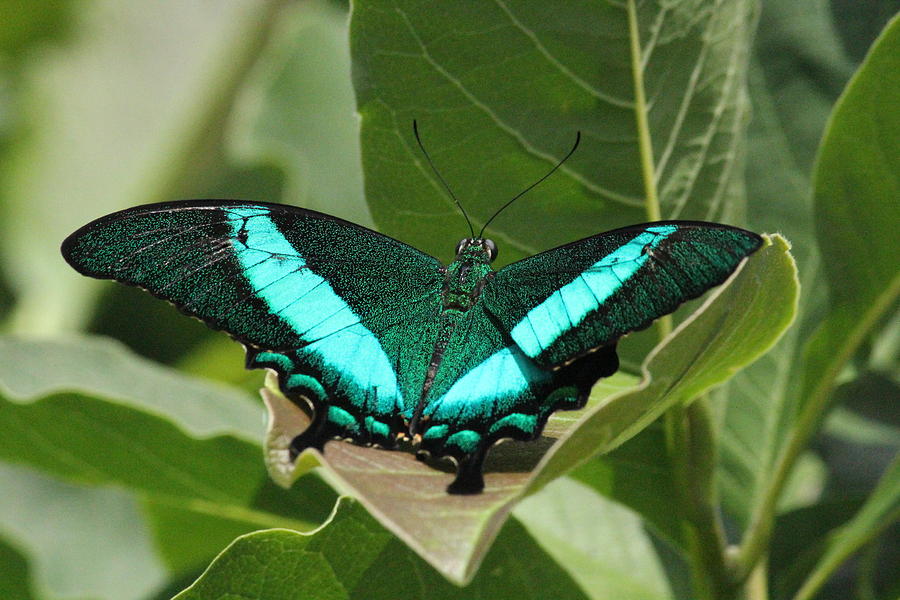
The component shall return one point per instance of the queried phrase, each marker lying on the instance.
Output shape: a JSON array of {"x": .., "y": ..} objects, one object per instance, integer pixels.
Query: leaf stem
[
  {"x": 645, "y": 144},
  {"x": 690, "y": 438},
  {"x": 695, "y": 468},
  {"x": 757, "y": 587}
]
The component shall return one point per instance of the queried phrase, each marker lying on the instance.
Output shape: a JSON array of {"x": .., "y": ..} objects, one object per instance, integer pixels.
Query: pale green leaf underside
[
  {"x": 33, "y": 369},
  {"x": 602, "y": 544}
]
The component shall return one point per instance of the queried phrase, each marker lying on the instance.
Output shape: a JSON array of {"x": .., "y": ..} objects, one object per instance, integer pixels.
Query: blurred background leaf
[
  {"x": 805, "y": 53},
  {"x": 161, "y": 452},
  {"x": 119, "y": 115}
]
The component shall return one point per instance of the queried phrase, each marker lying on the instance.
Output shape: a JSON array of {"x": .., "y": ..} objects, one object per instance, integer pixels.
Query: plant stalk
[
  {"x": 693, "y": 453},
  {"x": 757, "y": 587},
  {"x": 690, "y": 438},
  {"x": 759, "y": 532}
]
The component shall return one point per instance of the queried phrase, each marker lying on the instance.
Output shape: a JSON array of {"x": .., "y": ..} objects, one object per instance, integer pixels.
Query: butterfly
[{"x": 386, "y": 344}]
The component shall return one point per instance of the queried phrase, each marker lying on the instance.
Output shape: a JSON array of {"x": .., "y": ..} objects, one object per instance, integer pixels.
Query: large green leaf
[
  {"x": 602, "y": 545},
  {"x": 453, "y": 532},
  {"x": 352, "y": 557},
  {"x": 31, "y": 370},
  {"x": 797, "y": 73},
  {"x": 88, "y": 411},
  {"x": 771, "y": 412},
  {"x": 857, "y": 216},
  {"x": 856, "y": 187},
  {"x": 118, "y": 115},
  {"x": 500, "y": 89},
  {"x": 81, "y": 543}
]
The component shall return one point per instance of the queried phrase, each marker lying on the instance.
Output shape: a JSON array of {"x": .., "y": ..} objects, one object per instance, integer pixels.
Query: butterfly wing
[
  {"x": 563, "y": 303},
  {"x": 336, "y": 309},
  {"x": 487, "y": 389},
  {"x": 546, "y": 327}
]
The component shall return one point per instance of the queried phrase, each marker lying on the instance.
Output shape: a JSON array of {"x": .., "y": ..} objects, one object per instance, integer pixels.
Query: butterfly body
[{"x": 387, "y": 344}]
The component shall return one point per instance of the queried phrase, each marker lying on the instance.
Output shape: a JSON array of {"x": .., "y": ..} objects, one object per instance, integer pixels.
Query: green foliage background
[{"x": 127, "y": 467}]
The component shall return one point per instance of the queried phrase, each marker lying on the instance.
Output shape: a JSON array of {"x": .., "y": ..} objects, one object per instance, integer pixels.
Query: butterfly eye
[
  {"x": 491, "y": 248},
  {"x": 461, "y": 245}
]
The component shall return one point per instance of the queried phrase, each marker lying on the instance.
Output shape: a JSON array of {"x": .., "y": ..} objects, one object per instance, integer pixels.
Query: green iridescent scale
[{"x": 383, "y": 341}]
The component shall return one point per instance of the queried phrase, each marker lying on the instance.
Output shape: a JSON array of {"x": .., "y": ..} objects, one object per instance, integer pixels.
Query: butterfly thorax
[{"x": 467, "y": 275}]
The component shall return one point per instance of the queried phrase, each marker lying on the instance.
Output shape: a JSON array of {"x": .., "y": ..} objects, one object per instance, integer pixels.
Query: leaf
[
  {"x": 33, "y": 369},
  {"x": 90, "y": 412},
  {"x": 500, "y": 89},
  {"x": 856, "y": 188},
  {"x": 772, "y": 431},
  {"x": 297, "y": 111},
  {"x": 15, "y": 576},
  {"x": 452, "y": 533},
  {"x": 277, "y": 564},
  {"x": 67, "y": 531},
  {"x": 97, "y": 417},
  {"x": 881, "y": 510},
  {"x": 188, "y": 534},
  {"x": 602, "y": 545},
  {"x": 353, "y": 557},
  {"x": 117, "y": 117},
  {"x": 797, "y": 73},
  {"x": 639, "y": 475}
]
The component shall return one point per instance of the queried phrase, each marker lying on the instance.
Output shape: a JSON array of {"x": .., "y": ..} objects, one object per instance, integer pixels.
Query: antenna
[
  {"x": 446, "y": 187},
  {"x": 529, "y": 188}
]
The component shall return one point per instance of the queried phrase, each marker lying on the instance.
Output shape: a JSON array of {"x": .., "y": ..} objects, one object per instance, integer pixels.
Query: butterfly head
[{"x": 479, "y": 249}]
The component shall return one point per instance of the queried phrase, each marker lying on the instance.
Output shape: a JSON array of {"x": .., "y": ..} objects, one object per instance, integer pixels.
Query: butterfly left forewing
[{"x": 323, "y": 302}]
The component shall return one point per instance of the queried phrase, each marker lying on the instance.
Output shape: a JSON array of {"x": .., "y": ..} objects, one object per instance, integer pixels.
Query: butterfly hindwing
[
  {"x": 563, "y": 303},
  {"x": 488, "y": 389},
  {"x": 328, "y": 304}
]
